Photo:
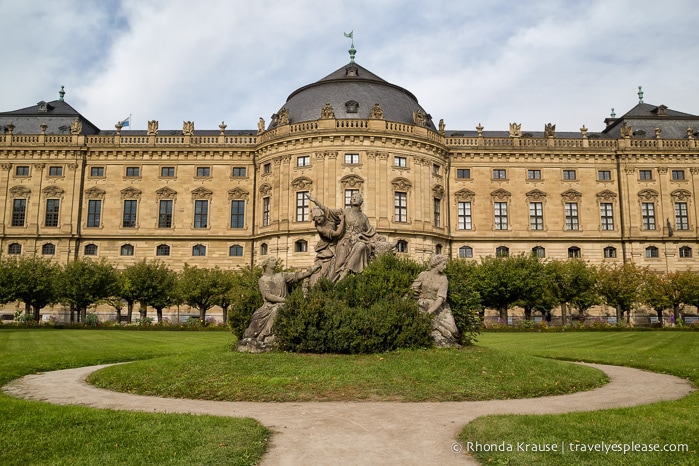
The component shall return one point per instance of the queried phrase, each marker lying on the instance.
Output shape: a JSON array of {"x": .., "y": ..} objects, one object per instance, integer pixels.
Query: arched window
[
  {"x": 438, "y": 249},
  {"x": 685, "y": 252},
  {"x": 199, "y": 250},
  {"x": 162, "y": 250},
  {"x": 235, "y": 251},
  {"x": 574, "y": 252},
  {"x": 402, "y": 246},
  {"x": 465, "y": 252},
  {"x": 14, "y": 249},
  {"x": 539, "y": 251},
  {"x": 609, "y": 252},
  {"x": 652, "y": 252},
  {"x": 48, "y": 249},
  {"x": 502, "y": 251},
  {"x": 90, "y": 249},
  {"x": 263, "y": 249},
  {"x": 127, "y": 250},
  {"x": 301, "y": 246}
]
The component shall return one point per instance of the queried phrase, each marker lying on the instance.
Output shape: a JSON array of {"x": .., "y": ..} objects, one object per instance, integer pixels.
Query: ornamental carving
[
  {"x": 571, "y": 195},
  {"x": 351, "y": 181},
  {"x": 6, "y": 166},
  {"x": 419, "y": 117},
  {"x": 626, "y": 130},
  {"x": 166, "y": 193},
  {"x": 153, "y": 128},
  {"x": 515, "y": 130},
  {"x": 535, "y": 195},
  {"x": 265, "y": 189},
  {"x": 549, "y": 130},
  {"x": 438, "y": 191},
  {"x": 352, "y": 106},
  {"x": 20, "y": 191},
  {"x": 606, "y": 195},
  {"x": 72, "y": 166},
  {"x": 465, "y": 195},
  {"x": 401, "y": 184},
  {"x": 648, "y": 195},
  {"x": 52, "y": 191},
  {"x": 694, "y": 170},
  {"x": 76, "y": 127},
  {"x": 331, "y": 154},
  {"x": 376, "y": 112},
  {"x": 238, "y": 193},
  {"x": 187, "y": 128},
  {"x": 662, "y": 170},
  {"x": 681, "y": 195},
  {"x": 501, "y": 194},
  {"x": 202, "y": 193},
  {"x": 301, "y": 182},
  {"x": 39, "y": 166},
  {"x": 95, "y": 193},
  {"x": 327, "y": 112},
  {"x": 283, "y": 117},
  {"x": 130, "y": 193},
  {"x": 630, "y": 170}
]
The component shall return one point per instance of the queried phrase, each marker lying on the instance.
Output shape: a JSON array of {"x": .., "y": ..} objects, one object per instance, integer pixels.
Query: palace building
[{"x": 228, "y": 198}]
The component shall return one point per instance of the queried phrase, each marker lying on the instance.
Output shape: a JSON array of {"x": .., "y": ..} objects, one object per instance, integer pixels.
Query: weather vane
[{"x": 352, "y": 50}]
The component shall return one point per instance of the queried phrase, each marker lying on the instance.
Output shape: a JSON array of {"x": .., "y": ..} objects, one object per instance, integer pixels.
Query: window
[
  {"x": 648, "y": 215},
  {"x": 500, "y": 210},
  {"x": 162, "y": 250},
  {"x": 604, "y": 175},
  {"x": 199, "y": 250},
  {"x": 606, "y": 216},
  {"x": 465, "y": 252},
  {"x": 167, "y": 172},
  {"x": 572, "y": 220},
  {"x": 204, "y": 171},
  {"x": 55, "y": 171},
  {"x": 435, "y": 169},
  {"x": 301, "y": 246},
  {"x": 437, "y": 206},
  {"x": 239, "y": 171},
  {"x": 165, "y": 214},
  {"x": 267, "y": 168},
  {"x": 463, "y": 173},
  {"x": 90, "y": 249},
  {"x": 22, "y": 170},
  {"x": 681, "y": 216},
  {"x": 573, "y": 252},
  {"x": 609, "y": 252},
  {"x": 652, "y": 252},
  {"x": 533, "y": 174},
  {"x": 52, "y": 208},
  {"x": 685, "y": 252},
  {"x": 499, "y": 174},
  {"x": 536, "y": 215},
  {"x": 130, "y": 208},
  {"x": 502, "y": 251},
  {"x": 303, "y": 161},
  {"x": 201, "y": 213},
  {"x": 14, "y": 249},
  {"x": 133, "y": 171},
  {"x": 265, "y": 211},
  {"x": 301, "y": 206},
  {"x": 402, "y": 246},
  {"x": 645, "y": 174},
  {"x": 538, "y": 251},
  {"x": 235, "y": 251},
  {"x": 464, "y": 216},
  {"x": 351, "y": 159},
  {"x": 127, "y": 250},
  {"x": 348, "y": 196},
  {"x": 400, "y": 162},
  {"x": 678, "y": 175},
  {"x": 237, "y": 213},
  {"x": 48, "y": 249},
  {"x": 263, "y": 249},
  {"x": 438, "y": 249},
  {"x": 569, "y": 175},
  {"x": 19, "y": 207},
  {"x": 96, "y": 171},
  {"x": 400, "y": 203}
]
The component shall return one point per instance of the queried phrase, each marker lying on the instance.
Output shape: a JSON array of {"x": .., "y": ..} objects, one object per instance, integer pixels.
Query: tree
[
  {"x": 148, "y": 283},
  {"x": 84, "y": 282},
  {"x": 620, "y": 286},
  {"x": 687, "y": 284},
  {"x": 573, "y": 284},
  {"x": 227, "y": 281},
  {"x": 32, "y": 280},
  {"x": 200, "y": 288}
]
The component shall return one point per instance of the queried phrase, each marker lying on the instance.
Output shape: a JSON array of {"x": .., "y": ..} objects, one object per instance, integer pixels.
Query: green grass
[
  {"x": 663, "y": 423},
  {"x": 36, "y": 433}
]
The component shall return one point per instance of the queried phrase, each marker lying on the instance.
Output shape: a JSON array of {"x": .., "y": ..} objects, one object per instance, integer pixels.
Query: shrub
[
  {"x": 464, "y": 301},
  {"x": 91, "y": 319},
  {"x": 245, "y": 299}
]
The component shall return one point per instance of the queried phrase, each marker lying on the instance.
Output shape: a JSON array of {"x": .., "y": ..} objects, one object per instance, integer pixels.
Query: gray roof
[
  {"x": 57, "y": 115},
  {"x": 644, "y": 118}
]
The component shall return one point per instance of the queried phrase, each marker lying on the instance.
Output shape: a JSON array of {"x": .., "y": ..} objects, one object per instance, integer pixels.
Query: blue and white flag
[{"x": 126, "y": 122}]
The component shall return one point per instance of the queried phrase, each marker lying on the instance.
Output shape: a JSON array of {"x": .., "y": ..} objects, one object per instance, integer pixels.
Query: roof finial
[
  {"x": 613, "y": 115},
  {"x": 640, "y": 95},
  {"x": 352, "y": 50},
  {"x": 61, "y": 93}
]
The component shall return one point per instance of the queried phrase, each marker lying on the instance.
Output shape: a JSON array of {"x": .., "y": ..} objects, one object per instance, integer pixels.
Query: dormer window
[
  {"x": 352, "y": 106},
  {"x": 43, "y": 106},
  {"x": 351, "y": 72},
  {"x": 661, "y": 110}
]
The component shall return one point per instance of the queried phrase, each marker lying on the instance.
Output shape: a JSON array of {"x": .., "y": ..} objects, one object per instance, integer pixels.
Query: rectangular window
[
  {"x": 400, "y": 202},
  {"x": 94, "y": 213},
  {"x": 604, "y": 175},
  {"x": 96, "y": 171},
  {"x": 167, "y": 172},
  {"x": 348, "y": 196},
  {"x": 239, "y": 171},
  {"x": 648, "y": 215},
  {"x": 437, "y": 207},
  {"x": 681, "y": 216},
  {"x": 133, "y": 171},
  {"x": 303, "y": 161},
  {"x": 569, "y": 174},
  {"x": 203, "y": 171},
  {"x": 165, "y": 214},
  {"x": 267, "y": 168},
  {"x": 201, "y": 213},
  {"x": 435, "y": 169},
  {"x": 606, "y": 216},
  {"x": 266, "y": 211},
  {"x": 22, "y": 170},
  {"x": 500, "y": 210},
  {"x": 572, "y": 220},
  {"x": 465, "y": 221},
  {"x": 536, "y": 215},
  {"x": 130, "y": 207},
  {"x": 52, "y": 208},
  {"x": 19, "y": 207},
  {"x": 499, "y": 174},
  {"x": 400, "y": 162},
  {"x": 301, "y": 206},
  {"x": 237, "y": 213},
  {"x": 678, "y": 175},
  {"x": 463, "y": 173},
  {"x": 55, "y": 171},
  {"x": 351, "y": 159},
  {"x": 533, "y": 174},
  {"x": 645, "y": 174}
]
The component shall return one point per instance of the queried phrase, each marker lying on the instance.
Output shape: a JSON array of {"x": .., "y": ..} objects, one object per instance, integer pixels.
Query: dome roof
[{"x": 352, "y": 91}]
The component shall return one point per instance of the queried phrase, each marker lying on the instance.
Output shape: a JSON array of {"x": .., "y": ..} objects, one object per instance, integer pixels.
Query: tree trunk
[
  {"x": 676, "y": 312},
  {"x": 660, "y": 318},
  {"x": 118, "y": 311},
  {"x": 143, "y": 311},
  {"x": 83, "y": 313},
  {"x": 36, "y": 315},
  {"x": 202, "y": 315},
  {"x": 159, "y": 313},
  {"x": 503, "y": 314},
  {"x": 225, "y": 314},
  {"x": 129, "y": 310},
  {"x": 72, "y": 314},
  {"x": 564, "y": 317},
  {"x": 527, "y": 314}
]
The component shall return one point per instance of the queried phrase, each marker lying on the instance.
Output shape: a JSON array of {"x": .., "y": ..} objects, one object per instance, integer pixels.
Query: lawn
[{"x": 666, "y": 424}]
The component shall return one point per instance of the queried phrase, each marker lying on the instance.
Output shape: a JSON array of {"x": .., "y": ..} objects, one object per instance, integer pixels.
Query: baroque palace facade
[{"x": 229, "y": 198}]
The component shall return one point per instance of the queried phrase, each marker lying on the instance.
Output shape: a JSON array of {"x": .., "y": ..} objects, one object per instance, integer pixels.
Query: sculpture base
[{"x": 250, "y": 345}]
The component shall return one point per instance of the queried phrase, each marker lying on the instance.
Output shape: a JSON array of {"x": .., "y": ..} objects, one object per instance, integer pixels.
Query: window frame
[
  {"x": 606, "y": 213},
  {"x": 163, "y": 250},
  {"x": 570, "y": 175},
  {"x": 24, "y": 168},
  {"x": 127, "y": 250},
  {"x": 201, "y": 213},
  {"x": 90, "y": 249},
  {"x": 19, "y": 212},
  {"x": 572, "y": 216},
  {"x": 681, "y": 216},
  {"x": 500, "y": 216},
  {"x": 303, "y": 161},
  {"x": 351, "y": 159},
  {"x": 97, "y": 171},
  {"x": 678, "y": 175},
  {"x": 464, "y": 215},
  {"x": 94, "y": 213},
  {"x": 165, "y": 213},
  {"x": 609, "y": 252},
  {"x": 55, "y": 170},
  {"x": 167, "y": 172},
  {"x": 499, "y": 174},
  {"x": 239, "y": 172},
  {"x": 604, "y": 175},
  {"x": 685, "y": 252},
  {"x": 302, "y": 206},
  {"x": 648, "y": 216},
  {"x": 203, "y": 171},
  {"x": 131, "y": 211},
  {"x": 52, "y": 213},
  {"x": 533, "y": 174},
  {"x": 466, "y": 252},
  {"x": 266, "y": 211},
  {"x": 400, "y": 161},
  {"x": 400, "y": 207},
  {"x": 536, "y": 216},
  {"x": 460, "y": 172},
  {"x": 437, "y": 210},
  {"x": 645, "y": 175},
  {"x": 199, "y": 250},
  {"x": 235, "y": 248},
  {"x": 237, "y": 213},
  {"x": 652, "y": 252},
  {"x": 133, "y": 172}
]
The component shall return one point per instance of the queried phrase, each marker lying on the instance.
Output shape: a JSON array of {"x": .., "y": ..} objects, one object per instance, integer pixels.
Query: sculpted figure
[
  {"x": 261, "y": 126},
  {"x": 330, "y": 231},
  {"x": 430, "y": 290},
  {"x": 258, "y": 337}
]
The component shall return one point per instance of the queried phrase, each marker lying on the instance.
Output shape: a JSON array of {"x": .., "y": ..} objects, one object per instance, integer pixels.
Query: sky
[{"x": 491, "y": 62}]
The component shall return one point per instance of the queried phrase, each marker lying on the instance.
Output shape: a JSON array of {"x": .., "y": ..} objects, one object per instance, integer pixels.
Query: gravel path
[{"x": 379, "y": 433}]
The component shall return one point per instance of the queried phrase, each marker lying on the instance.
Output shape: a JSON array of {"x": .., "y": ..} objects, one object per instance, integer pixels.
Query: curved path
[{"x": 377, "y": 433}]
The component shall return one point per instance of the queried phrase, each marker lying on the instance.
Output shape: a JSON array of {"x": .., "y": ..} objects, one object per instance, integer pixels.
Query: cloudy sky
[{"x": 493, "y": 62}]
